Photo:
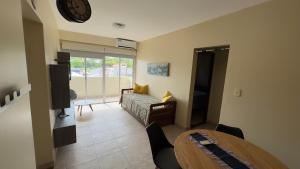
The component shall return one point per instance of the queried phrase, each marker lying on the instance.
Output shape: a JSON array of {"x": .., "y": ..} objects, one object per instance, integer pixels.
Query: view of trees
[{"x": 94, "y": 66}]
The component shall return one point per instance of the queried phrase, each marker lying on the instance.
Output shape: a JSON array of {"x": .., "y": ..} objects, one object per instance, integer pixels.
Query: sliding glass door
[
  {"x": 112, "y": 78},
  {"x": 100, "y": 78},
  {"x": 78, "y": 81},
  {"x": 94, "y": 79},
  {"x": 126, "y": 73}
]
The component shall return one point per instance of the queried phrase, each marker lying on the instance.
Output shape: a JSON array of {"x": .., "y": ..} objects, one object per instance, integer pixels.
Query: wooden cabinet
[{"x": 64, "y": 132}]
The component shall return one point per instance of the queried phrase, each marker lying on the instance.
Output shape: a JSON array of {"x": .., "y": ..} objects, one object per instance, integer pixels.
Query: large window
[
  {"x": 112, "y": 78},
  {"x": 77, "y": 82},
  {"x": 101, "y": 78},
  {"x": 94, "y": 79},
  {"x": 126, "y": 73}
]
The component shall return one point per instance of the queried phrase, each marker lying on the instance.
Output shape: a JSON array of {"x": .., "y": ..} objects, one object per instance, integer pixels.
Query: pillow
[
  {"x": 140, "y": 89},
  {"x": 168, "y": 98},
  {"x": 167, "y": 93},
  {"x": 144, "y": 89},
  {"x": 136, "y": 88}
]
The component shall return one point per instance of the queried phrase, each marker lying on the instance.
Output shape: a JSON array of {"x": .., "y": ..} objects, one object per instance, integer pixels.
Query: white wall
[
  {"x": 217, "y": 86},
  {"x": 263, "y": 62}
]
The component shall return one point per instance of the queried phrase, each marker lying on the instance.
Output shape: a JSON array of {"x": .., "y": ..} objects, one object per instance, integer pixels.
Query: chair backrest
[
  {"x": 230, "y": 130},
  {"x": 157, "y": 138},
  {"x": 73, "y": 94}
]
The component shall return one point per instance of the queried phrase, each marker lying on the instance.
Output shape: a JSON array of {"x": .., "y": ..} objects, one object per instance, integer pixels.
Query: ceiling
[{"x": 145, "y": 19}]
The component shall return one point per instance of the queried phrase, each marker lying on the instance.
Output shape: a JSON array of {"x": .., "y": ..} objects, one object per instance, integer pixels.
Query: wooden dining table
[{"x": 190, "y": 156}]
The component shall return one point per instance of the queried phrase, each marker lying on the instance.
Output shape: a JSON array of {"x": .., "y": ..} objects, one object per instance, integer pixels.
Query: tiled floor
[{"x": 109, "y": 138}]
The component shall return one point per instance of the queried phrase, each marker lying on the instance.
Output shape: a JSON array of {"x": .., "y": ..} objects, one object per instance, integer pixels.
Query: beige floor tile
[
  {"x": 132, "y": 140},
  {"x": 102, "y": 136},
  {"x": 148, "y": 164},
  {"x": 82, "y": 141},
  {"x": 106, "y": 148},
  {"x": 99, "y": 126},
  {"x": 114, "y": 161},
  {"x": 77, "y": 156},
  {"x": 93, "y": 164},
  {"x": 138, "y": 154},
  {"x": 83, "y": 130},
  {"x": 126, "y": 131},
  {"x": 85, "y": 140},
  {"x": 172, "y": 131},
  {"x": 109, "y": 138},
  {"x": 112, "y": 124}
]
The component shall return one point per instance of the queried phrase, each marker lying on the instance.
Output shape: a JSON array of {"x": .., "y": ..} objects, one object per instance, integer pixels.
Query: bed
[{"x": 146, "y": 108}]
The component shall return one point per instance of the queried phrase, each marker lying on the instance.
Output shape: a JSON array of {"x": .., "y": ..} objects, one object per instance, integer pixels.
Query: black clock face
[{"x": 74, "y": 10}]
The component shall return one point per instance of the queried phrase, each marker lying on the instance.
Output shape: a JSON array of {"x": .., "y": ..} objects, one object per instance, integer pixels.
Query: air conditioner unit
[{"x": 125, "y": 43}]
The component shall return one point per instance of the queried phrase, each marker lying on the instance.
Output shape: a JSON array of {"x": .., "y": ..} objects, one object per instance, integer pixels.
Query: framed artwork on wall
[{"x": 159, "y": 69}]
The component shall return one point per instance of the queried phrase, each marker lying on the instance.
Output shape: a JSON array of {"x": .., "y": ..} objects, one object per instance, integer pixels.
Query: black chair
[
  {"x": 162, "y": 151},
  {"x": 230, "y": 130}
]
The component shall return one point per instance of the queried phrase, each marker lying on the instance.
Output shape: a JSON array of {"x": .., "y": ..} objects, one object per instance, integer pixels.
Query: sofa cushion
[
  {"x": 165, "y": 99},
  {"x": 140, "y": 89},
  {"x": 167, "y": 94}
]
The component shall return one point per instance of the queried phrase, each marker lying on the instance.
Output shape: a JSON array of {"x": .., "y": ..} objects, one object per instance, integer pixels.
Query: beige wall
[
  {"x": 217, "y": 86},
  {"x": 16, "y": 136},
  {"x": 42, "y": 43},
  {"x": 263, "y": 62},
  {"x": 85, "y": 38},
  {"x": 39, "y": 96},
  {"x": 51, "y": 39}
]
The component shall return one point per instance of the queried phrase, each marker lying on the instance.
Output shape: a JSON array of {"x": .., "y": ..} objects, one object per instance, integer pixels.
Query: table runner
[{"x": 226, "y": 161}]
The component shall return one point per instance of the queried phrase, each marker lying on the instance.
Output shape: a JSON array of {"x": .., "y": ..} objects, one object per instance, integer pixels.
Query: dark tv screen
[{"x": 60, "y": 89}]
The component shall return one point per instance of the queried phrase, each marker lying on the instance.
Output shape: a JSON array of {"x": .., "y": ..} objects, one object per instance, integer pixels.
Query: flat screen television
[{"x": 60, "y": 89}]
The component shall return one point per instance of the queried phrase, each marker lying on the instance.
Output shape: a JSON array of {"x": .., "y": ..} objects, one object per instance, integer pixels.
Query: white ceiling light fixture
[{"x": 118, "y": 25}]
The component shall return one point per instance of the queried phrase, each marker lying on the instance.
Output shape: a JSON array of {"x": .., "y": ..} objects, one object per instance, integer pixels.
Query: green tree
[{"x": 77, "y": 62}]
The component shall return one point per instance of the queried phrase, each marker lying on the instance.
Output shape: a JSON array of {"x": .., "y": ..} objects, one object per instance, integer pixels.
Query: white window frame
[{"x": 85, "y": 54}]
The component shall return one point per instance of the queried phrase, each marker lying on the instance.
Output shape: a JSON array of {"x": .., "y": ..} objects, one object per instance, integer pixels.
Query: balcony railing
[{"x": 96, "y": 89}]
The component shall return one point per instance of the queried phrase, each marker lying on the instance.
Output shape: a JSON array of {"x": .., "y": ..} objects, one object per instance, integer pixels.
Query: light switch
[{"x": 237, "y": 92}]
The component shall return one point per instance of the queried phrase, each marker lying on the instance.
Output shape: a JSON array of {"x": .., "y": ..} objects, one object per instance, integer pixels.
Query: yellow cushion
[
  {"x": 140, "y": 89},
  {"x": 144, "y": 89},
  {"x": 168, "y": 98},
  {"x": 136, "y": 88},
  {"x": 167, "y": 93}
]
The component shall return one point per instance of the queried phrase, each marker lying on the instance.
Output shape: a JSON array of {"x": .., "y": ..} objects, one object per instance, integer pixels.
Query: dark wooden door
[{"x": 202, "y": 87}]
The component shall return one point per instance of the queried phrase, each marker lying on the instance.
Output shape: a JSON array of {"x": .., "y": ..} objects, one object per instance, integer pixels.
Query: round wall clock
[{"x": 74, "y": 10}]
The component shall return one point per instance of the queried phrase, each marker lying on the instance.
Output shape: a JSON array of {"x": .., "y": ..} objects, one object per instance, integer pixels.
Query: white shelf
[{"x": 23, "y": 91}]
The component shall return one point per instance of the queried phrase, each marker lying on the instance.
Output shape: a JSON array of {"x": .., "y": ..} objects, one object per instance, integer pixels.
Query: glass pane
[
  {"x": 112, "y": 83},
  {"x": 126, "y": 72},
  {"x": 77, "y": 82},
  {"x": 94, "y": 72}
]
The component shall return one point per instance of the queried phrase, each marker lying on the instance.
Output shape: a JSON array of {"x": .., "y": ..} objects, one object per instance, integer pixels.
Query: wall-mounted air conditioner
[{"x": 125, "y": 43}]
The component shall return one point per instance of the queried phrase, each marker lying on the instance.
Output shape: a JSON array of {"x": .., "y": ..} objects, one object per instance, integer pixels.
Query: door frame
[{"x": 193, "y": 77}]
